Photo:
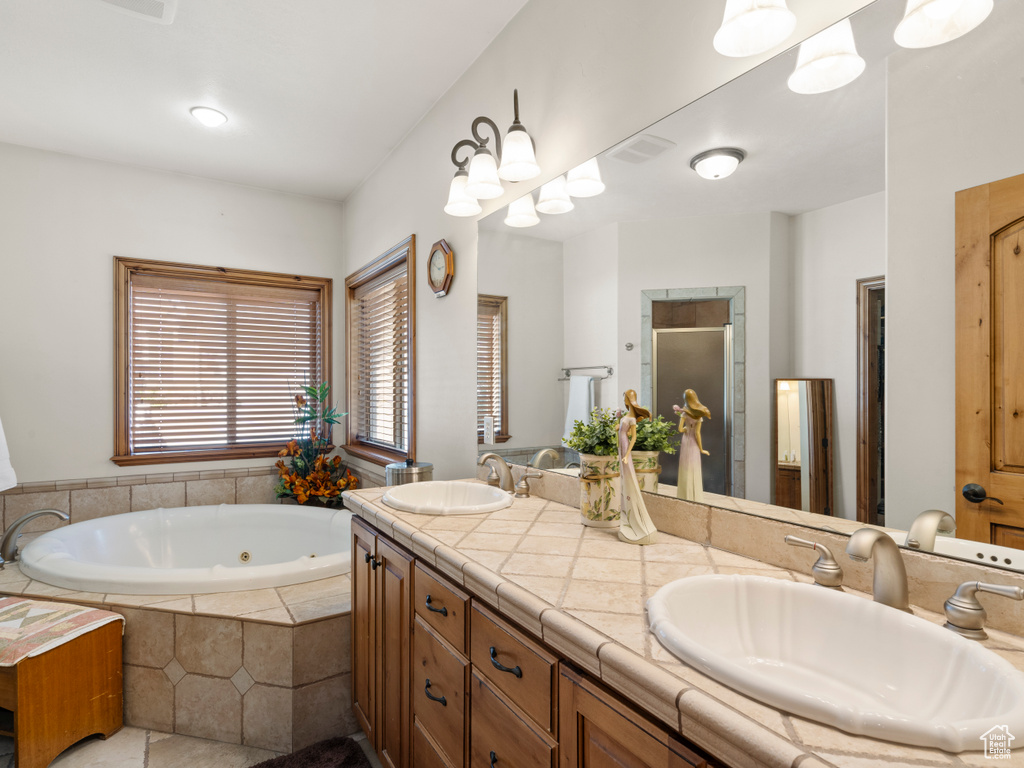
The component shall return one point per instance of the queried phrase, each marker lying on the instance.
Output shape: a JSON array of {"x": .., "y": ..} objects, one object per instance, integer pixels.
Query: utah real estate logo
[{"x": 997, "y": 742}]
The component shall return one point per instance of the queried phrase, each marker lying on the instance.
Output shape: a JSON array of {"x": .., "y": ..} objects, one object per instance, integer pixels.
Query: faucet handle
[
  {"x": 523, "y": 486},
  {"x": 965, "y": 615},
  {"x": 826, "y": 571}
]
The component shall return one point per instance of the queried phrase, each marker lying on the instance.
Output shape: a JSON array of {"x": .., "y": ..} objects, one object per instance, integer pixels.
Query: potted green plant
[
  {"x": 653, "y": 436},
  {"x": 310, "y": 476},
  {"x": 596, "y": 441}
]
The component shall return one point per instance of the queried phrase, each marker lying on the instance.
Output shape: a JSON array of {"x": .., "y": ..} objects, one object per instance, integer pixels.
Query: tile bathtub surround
[
  {"x": 267, "y": 668},
  {"x": 583, "y": 595}
]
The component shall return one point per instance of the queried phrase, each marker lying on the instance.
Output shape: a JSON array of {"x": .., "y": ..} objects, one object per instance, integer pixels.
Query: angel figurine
[
  {"x": 635, "y": 525},
  {"x": 690, "y": 485}
]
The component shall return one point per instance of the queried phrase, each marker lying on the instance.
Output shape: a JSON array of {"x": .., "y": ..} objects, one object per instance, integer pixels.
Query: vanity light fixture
[
  {"x": 482, "y": 181},
  {"x": 827, "y": 61},
  {"x": 554, "y": 198},
  {"x": 208, "y": 116},
  {"x": 521, "y": 212},
  {"x": 750, "y": 27},
  {"x": 933, "y": 22},
  {"x": 585, "y": 180},
  {"x": 717, "y": 163}
]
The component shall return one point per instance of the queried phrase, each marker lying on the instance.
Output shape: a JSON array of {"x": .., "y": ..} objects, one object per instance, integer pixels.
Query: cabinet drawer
[
  {"x": 439, "y": 693},
  {"x": 500, "y": 730},
  {"x": 516, "y": 665},
  {"x": 441, "y": 606},
  {"x": 425, "y": 754}
]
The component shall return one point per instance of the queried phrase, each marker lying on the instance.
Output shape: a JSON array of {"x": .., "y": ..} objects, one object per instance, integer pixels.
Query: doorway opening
[{"x": 871, "y": 400}]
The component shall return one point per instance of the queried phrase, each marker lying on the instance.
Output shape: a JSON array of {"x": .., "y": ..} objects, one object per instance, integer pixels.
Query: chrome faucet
[
  {"x": 826, "y": 570},
  {"x": 966, "y": 616},
  {"x": 9, "y": 543},
  {"x": 538, "y": 457},
  {"x": 505, "y": 481},
  {"x": 890, "y": 581},
  {"x": 926, "y": 525}
]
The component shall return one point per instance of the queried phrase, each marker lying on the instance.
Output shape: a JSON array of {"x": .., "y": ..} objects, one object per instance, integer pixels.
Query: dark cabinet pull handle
[
  {"x": 498, "y": 665},
  {"x": 494, "y": 759},
  {"x": 432, "y": 697},
  {"x": 372, "y": 561},
  {"x": 975, "y": 494},
  {"x": 442, "y": 611},
  {"x": 367, "y": 556}
]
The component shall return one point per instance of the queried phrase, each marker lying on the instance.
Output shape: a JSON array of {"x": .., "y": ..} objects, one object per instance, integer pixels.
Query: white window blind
[
  {"x": 379, "y": 360},
  {"x": 491, "y": 364},
  {"x": 211, "y": 363}
]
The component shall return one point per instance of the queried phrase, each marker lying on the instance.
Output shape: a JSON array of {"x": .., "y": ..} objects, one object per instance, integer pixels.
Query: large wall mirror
[{"x": 807, "y": 214}]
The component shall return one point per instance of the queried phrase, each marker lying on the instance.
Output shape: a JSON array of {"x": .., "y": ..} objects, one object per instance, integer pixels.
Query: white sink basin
[
  {"x": 841, "y": 660},
  {"x": 446, "y": 497}
]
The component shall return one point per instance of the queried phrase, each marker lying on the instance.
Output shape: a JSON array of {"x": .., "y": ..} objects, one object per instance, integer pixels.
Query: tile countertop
[{"x": 583, "y": 592}]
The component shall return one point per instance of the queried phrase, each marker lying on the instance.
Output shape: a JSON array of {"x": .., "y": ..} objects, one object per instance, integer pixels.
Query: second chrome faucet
[{"x": 890, "y": 578}]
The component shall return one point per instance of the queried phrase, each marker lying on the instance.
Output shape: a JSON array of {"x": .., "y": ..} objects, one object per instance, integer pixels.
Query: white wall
[
  {"x": 832, "y": 249},
  {"x": 948, "y": 129},
  {"x": 64, "y": 219},
  {"x": 529, "y": 272},
  {"x": 589, "y": 73}
]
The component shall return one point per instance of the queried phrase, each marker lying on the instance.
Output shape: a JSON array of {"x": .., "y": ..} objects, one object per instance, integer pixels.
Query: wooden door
[
  {"x": 394, "y": 635},
  {"x": 990, "y": 359},
  {"x": 364, "y": 626}
]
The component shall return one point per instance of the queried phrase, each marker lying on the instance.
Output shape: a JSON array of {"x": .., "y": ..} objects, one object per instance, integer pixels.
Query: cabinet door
[
  {"x": 439, "y": 687},
  {"x": 598, "y": 731},
  {"x": 364, "y": 625},
  {"x": 394, "y": 633}
]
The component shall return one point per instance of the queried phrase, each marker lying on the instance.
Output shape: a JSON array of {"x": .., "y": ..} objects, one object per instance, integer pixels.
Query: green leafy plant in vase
[
  {"x": 653, "y": 436},
  {"x": 596, "y": 441},
  {"x": 310, "y": 476}
]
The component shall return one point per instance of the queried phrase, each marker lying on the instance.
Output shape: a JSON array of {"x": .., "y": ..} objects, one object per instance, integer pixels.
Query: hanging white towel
[
  {"x": 7, "y": 478},
  {"x": 581, "y": 401}
]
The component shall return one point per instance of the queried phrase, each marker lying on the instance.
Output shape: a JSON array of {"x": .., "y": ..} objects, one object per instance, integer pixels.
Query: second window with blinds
[
  {"x": 492, "y": 365},
  {"x": 381, "y": 359}
]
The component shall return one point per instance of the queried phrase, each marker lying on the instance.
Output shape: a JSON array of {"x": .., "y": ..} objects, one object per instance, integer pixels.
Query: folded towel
[
  {"x": 7, "y": 478},
  {"x": 581, "y": 401}
]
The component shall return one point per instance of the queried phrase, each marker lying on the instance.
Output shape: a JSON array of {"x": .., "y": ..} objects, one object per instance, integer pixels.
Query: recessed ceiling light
[{"x": 211, "y": 118}]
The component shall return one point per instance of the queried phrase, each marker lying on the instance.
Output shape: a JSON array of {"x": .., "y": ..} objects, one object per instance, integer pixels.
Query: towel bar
[{"x": 568, "y": 371}]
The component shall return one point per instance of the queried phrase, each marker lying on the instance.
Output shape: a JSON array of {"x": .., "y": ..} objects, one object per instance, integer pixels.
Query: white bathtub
[{"x": 194, "y": 550}]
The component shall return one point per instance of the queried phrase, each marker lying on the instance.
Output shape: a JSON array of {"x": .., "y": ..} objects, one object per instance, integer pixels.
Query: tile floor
[{"x": 140, "y": 748}]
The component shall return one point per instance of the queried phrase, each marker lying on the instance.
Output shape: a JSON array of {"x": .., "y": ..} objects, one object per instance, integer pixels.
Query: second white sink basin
[
  {"x": 446, "y": 497},
  {"x": 840, "y": 660}
]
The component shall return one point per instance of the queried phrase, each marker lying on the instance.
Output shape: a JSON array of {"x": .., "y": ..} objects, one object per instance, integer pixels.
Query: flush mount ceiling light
[
  {"x": 518, "y": 162},
  {"x": 554, "y": 198},
  {"x": 211, "y": 118},
  {"x": 717, "y": 163},
  {"x": 521, "y": 212},
  {"x": 585, "y": 180},
  {"x": 827, "y": 61},
  {"x": 933, "y": 22},
  {"x": 750, "y": 27}
]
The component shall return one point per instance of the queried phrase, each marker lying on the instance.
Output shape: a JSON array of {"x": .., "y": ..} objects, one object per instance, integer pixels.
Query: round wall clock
[{"x": 440, "y": 268}]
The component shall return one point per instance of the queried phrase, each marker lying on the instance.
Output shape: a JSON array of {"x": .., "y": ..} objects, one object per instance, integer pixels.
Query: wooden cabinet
[
  {"x": 787, "y": 487},
  {"x": 599, "y": 731},
  {"x": 381, "y": 642},
  {"x": 441, "y": 681}
]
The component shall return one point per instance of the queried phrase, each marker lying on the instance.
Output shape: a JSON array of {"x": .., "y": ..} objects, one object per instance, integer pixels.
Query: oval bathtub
[{"x": 194, "y": 550}]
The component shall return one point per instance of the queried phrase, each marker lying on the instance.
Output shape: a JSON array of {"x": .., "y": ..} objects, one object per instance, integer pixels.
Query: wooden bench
[{"x": 63, "y": 695}]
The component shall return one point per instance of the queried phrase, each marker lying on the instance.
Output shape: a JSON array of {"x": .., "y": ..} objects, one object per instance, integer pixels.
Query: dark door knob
[{"x": 975, "y": 494}]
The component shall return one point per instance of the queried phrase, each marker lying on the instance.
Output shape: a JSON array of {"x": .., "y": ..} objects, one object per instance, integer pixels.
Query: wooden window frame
[
  {"x": 501, "y": 302},
  {"x": 125, "y": 270},
  {"x": 404, "y": 251}
]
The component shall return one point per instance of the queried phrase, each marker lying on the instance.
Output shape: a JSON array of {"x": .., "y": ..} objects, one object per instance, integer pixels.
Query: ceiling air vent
[
  {"x": 160, "y": 11},
  {"x": 640, "y": 149}
]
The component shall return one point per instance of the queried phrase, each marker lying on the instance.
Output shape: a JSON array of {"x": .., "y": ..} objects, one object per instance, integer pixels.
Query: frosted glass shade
[
  {"x": 753, "y": 26},
  {"x": 585, "y": 180},
  {"x": 521, "y": 212},
  {"x": 211, "y": 118},
  {"x": 554, "y": 198},
  {"x": 827, "y": 61},
  {"x": 459, "y": 203},
  {"x": 483, "y": 182},
  {"x": 518, "y": 162},
  {"x": 933, "y": 22},
  {"x": 717, "y": 163},
  {"x": 7, "y": 477}
]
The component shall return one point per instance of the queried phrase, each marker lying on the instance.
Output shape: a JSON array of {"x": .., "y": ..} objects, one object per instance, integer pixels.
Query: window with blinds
[
  {"x": 379, "y": 334},
  {"x": 209, "y": 360},
  {"x": 491, "y": 365}
]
